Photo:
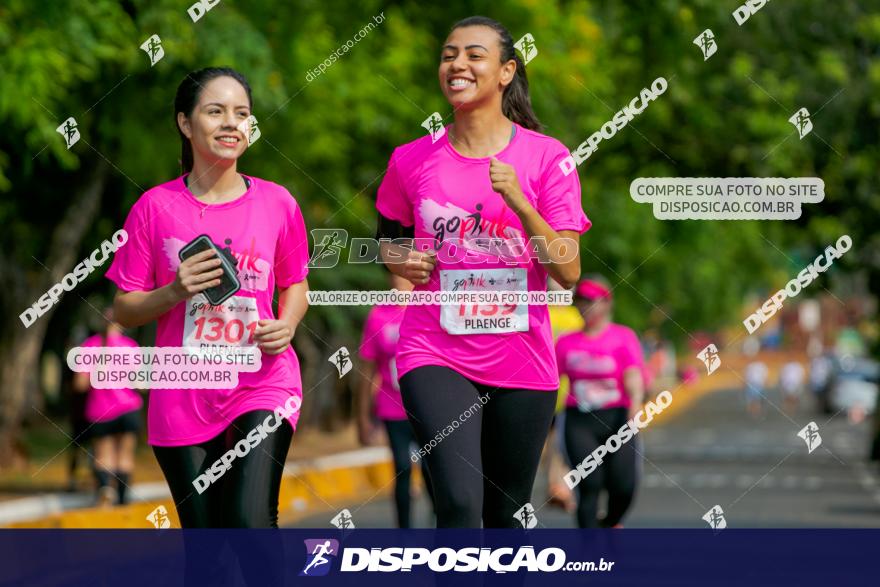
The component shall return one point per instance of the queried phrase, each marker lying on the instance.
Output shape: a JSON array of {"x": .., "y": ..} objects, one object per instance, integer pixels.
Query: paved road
[{"x": 758, "y": 470}]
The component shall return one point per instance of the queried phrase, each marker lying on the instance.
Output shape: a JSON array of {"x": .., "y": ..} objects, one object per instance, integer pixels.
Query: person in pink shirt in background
[
  {"x": 114, "y": 417},
  {"x": 605, "y": 369},
  {"x": 479, "y": 381},
  {"x": 259, "y": 226},
  {"x": 380, "y": 396}
]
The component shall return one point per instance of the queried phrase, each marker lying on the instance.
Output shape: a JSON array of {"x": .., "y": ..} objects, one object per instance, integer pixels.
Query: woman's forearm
[
  {"x": 293, "y": 303},
  {"x": 81, "y": 382},
  {"x": 555, "y": 246},
  {"x": 394, "y": 255},
  {"x": 136, "y": 308},
  {"x": 634, "y": 384}
]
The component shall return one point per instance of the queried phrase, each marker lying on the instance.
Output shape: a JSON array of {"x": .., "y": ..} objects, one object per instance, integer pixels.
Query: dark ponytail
[
  {"x": 188, "y": 93},
  {"x": 515, "y": 103}
]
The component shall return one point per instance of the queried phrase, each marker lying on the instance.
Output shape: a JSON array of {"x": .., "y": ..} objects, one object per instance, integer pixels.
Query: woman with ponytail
[
  {"x": 479, "y": 381},
  {"x": 258, "y": 226}
]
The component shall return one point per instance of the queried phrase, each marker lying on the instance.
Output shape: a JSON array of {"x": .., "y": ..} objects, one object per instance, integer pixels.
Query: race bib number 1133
[{"x": 484, "y": 318}]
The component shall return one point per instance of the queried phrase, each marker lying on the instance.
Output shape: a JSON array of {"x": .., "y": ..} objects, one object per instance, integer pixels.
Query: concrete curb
[{"x": 307, "y": 487}]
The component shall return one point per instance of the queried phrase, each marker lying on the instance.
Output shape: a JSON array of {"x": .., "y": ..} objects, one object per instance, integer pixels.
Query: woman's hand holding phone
[{"x": 196, "y": 274}]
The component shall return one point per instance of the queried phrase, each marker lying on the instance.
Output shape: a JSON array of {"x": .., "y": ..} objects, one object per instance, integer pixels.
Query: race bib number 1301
[{"x": 231, "y": 323}]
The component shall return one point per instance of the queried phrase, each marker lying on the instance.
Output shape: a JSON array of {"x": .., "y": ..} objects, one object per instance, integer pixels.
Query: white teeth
[
  {"x": 459, "y": 83},
  {"x": 231, "y": 140}
]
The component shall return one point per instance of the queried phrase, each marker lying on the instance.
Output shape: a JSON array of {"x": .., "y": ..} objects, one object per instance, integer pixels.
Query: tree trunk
[{"x": 20, "y": 347}]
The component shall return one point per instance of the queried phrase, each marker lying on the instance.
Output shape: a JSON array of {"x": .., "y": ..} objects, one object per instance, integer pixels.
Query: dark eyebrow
[
  {"x": 466, "y": 48},
  {"x": 222, "y": 105}
]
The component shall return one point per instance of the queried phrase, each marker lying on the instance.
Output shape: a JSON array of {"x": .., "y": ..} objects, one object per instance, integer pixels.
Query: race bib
[
  {"x": 231, "y": 323},
  {"x": 594, "y": 394},
  {"x": 485, "y": 318}
]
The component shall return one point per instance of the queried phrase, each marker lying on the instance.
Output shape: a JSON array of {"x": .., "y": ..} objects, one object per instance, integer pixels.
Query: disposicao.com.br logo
[{"x": 443, "y": 559}]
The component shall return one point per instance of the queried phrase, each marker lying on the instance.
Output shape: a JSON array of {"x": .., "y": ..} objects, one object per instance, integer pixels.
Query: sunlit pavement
[{"x": 757, "y": 469}]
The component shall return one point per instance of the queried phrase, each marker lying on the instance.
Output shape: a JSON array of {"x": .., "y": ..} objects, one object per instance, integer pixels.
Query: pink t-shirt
[
  {"x": 595, "y": 366},
  {"x": 103, "y": 405},
  {"x": 450, "y": 201},
  {"x": 379, "y": 343},
  {"x": 264, "y": 230}
]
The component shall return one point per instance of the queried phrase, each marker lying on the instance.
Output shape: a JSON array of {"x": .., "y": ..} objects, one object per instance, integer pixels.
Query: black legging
[
  {"x": 246, "y": 496},
  {"x": 483, "y": 465},
  {"x": 400, "y": 437},
  {"x": 584, "y": 432}
]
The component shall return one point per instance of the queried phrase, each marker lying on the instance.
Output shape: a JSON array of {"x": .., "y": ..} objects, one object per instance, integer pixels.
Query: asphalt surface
[{"x": 756, "y": 469}]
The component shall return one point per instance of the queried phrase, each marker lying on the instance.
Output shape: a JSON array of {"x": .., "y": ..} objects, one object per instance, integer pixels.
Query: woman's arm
[
  {"x": 368, "y": 387},
  {"x": 81, "y": 382},
  {"x": 195, "y": 274},
  {"x": 415, "y": 266},
  {"x": 273, "y": 336},
  {"x": 563, "y": 270},
  {"x": 633, "y": 385}
]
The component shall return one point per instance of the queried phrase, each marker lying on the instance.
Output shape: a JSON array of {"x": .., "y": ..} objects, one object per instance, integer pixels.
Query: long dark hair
[
  {"x": 515, "y": 103},
  {"x": 188, "y": 93}
]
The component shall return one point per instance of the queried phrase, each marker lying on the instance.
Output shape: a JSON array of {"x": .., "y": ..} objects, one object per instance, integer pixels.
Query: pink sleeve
[
  {"x": 391, "y": 200},
  {"x": 133, "y": 268},
  {"x": 559, "y": 201},
  {"x": 368, "y": 348},
  {"x": 630, "y": 351},
  {"x": 292, "y": 249}
]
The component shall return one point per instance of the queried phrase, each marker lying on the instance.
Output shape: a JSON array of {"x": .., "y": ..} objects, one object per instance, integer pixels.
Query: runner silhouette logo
[
  {"x": 320, "y": 553},
  {"x": 715, "y": 518},
  {"x": 526, "y": 516},
  {"x": 710, "y": 358},
  {"x": 810, "y": 435}
]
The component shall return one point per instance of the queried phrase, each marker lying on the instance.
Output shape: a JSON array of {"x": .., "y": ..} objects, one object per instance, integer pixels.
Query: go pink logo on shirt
[
  {"x": 451, "y": 221},
  {"x": 253, "y": 270}
]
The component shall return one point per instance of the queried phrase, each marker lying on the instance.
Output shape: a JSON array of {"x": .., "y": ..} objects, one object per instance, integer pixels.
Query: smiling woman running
[
  {"x": 478, "y": 382},
  {"x": 258, "y": 224}
]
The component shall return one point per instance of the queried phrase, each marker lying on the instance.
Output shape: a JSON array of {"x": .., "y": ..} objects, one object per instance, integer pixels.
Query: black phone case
[{"x": 229, "y": 283}]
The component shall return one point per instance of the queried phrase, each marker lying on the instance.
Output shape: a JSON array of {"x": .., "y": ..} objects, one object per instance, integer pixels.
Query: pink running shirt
[
  {"x": 450, "y": 201},
  {"x": 103, "y": 405},
  {"x": 595, "y": 366},
  {"x": 264, "y": 230},
  {"x": 379, "y": 343}
]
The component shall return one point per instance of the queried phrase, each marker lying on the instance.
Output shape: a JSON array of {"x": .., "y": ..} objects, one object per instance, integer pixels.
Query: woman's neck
[
  {"x": 217, "y": 182},
  {"x": 597, "y": 327},
  {"x": 480, "y": 133}
]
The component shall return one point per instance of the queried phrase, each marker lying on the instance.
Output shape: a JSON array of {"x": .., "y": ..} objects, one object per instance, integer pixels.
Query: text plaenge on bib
[
  {"x": 449, "y": 200},
  {"x": 265, "y": 233}
]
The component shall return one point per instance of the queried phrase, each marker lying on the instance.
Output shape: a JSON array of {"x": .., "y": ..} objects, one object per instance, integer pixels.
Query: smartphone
[{"x": 229, "y": 283}]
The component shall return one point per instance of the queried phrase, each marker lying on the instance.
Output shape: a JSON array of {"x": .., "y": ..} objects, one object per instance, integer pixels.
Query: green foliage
[{"x": 329, "y": 140}]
